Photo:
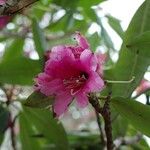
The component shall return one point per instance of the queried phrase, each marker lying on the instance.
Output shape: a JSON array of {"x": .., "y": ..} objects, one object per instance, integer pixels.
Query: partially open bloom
[
  {"x": 143, "y": 87},
  {"x": 69, "y": 73},
  {"x": 4, "y": 20}
]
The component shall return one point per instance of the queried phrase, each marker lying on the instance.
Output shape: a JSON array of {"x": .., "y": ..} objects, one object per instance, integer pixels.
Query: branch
[
  {"x": 105, "y": 112},
  {"x": 11, "y": 8},
  {"x": 12, "y": 131}
]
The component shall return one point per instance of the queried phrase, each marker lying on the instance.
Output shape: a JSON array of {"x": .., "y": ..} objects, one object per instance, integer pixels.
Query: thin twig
[
  {"x": 100, "y": 128},
  {"x": 12, "y": 131}
]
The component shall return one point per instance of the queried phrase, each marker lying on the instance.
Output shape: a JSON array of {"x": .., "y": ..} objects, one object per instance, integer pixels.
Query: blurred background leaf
[{"x": 46, "y": 125}]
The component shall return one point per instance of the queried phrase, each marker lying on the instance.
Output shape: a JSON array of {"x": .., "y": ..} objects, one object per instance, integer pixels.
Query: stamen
[{"x": 74, "y": 84}]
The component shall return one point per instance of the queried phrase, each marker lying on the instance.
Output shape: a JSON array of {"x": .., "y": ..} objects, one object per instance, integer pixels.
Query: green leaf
[
  {"x": 1, "y": 138},
  {"x": 68, "y": 24},
  {"x": 49, "y": 127},
  {"x": 38, "y": 38},
  {"x": 82, "y": 140},
  {"x": 141, "y": 43},
  {"x": 4, "y": 119},
  {"x": 136, "y": 112},
  {"x": 45, "y": 2},
  {"x": 94, "y": 41},
  {"x": 38, "y": 100},
  {"x": 87, "y": 4},
  {"x": 14, "y": 49},
  {"x": 77, "y": 3},
  {"x": 38, "y": 9},
  {"x": 119, "y": 126},
  {"x": 19, "y": 71},
  {"x": 115, "y": 24},
  {"x": 28, "y": 142},
  {"x": 66, "y": 3},
  {"x": 132, "y": 63}
]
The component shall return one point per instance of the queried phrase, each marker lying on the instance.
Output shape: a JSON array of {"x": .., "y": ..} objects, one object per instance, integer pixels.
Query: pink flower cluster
[{"x": 71, "y": 72}]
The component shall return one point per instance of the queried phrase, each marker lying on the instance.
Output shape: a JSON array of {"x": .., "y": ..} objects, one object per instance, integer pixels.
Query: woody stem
[{"x": 106, "y": 114}]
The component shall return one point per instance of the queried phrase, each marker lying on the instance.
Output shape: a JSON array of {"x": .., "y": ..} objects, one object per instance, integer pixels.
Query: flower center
[{"x": 74, "y": 84}]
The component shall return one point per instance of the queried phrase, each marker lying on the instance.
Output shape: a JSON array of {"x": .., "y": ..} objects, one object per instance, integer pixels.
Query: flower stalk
[{"x": 121, "y": 82}]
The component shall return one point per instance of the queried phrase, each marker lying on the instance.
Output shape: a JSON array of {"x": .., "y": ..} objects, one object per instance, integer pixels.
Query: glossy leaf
[
  {"x": 19, "y": 71},
  {"x": 38, "y": 100},
  {"x": 132, "y": 63},
  {"x": 136, "y": 112},
  {"x": 45, "y": 124}
]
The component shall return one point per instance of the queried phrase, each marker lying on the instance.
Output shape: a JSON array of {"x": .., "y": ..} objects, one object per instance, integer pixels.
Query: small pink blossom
[
  {"x": 143, "y": 87},
  {"x": 4, "y": 20},
  {"x": 70, "y": 73}
]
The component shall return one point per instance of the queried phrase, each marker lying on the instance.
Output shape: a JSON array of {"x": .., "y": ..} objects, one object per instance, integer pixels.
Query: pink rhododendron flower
[
  {"x": 2, "y": 2},
  {"x": 69, "y": 73},
  {"x": 143, "y": 87},
  {"x": 4, "y": 20}
]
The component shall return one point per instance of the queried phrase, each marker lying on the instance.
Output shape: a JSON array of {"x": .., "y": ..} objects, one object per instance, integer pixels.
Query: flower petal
[
  {"x": 88, "y": 59},
  {"x": 82, "y": 41},
  {"x": 94, "y": 83},
  {"x": 61, "y": 103},
  {"x": 82, "y": 99},
  {"x": 60, "y": 52},
  {"x": 52, "y": 87},
  {"x": 47, "y": 85}
]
